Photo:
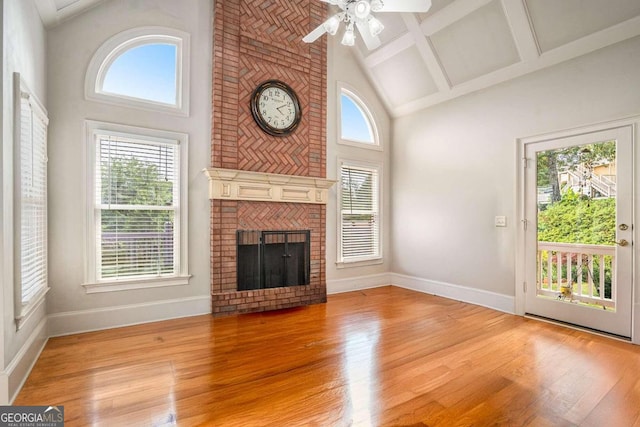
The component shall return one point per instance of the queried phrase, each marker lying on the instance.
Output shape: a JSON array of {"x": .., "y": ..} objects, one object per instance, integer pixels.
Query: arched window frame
[
  {"x": 345, "y": 89},
  {"x": 122, "y": 42}
]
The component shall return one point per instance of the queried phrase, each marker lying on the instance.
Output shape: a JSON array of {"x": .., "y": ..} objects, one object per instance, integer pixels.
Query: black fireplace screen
[{"x": 272, "y": 259}]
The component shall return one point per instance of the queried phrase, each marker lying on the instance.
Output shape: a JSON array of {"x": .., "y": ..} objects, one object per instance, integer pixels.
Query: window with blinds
[
  {"x": 31, "y": 191},
  {"x": 359, "y": 213},
  {"x": 136, "y": 207}
]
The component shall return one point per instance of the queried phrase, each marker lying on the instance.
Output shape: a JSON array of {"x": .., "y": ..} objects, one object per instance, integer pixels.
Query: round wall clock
[{"x": 275, "y": 108}]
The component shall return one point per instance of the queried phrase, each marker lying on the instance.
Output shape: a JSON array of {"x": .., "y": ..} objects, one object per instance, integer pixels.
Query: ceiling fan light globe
[
  {"x": 349, "y": 37},
  {"x": 362, "y": 9},
  {"x": 376, "y": 5},
  {"x": 331, "y": 25},
  {"x": 375, "y": 26}
]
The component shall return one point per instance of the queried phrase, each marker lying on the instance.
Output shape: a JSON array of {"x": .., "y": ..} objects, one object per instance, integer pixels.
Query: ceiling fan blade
[
  {"x": 315, "y": 34},
  {"x": 405, "y": 6},
  {"x": 372, "y": 42}
]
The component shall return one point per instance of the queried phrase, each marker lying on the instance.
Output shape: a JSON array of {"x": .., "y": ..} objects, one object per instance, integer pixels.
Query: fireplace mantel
[{"x": 233, "y": 184}]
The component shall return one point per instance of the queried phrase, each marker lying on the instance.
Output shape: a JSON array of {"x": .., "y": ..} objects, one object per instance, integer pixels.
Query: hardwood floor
[{"x": 380, "y": 357}]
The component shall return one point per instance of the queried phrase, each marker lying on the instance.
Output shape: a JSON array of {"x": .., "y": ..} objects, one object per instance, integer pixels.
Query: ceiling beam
[
  {"x": 450, "y": 14},
  {"x": 427, "y": 53},
  {"x": 617, "y": 33},
  {"x": 389, "y": 50},
  {"x": 521, "y": 29}
]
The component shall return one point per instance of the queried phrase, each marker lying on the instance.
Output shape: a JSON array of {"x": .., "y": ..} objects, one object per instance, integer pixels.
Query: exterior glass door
[{"x": 578, "y": 207}]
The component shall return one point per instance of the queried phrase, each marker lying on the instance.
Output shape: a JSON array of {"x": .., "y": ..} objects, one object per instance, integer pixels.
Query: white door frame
[{"x": 634, "y": 122}]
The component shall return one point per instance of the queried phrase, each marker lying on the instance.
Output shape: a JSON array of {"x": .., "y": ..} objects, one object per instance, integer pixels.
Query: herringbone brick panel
[
  {"x": 258, "y": 151},
  {"x": 273, "y": 216},
  {"x": 281, "y": 23}
]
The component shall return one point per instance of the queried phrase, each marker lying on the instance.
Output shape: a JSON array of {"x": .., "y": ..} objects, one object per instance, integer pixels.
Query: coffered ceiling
[{"x": 461, "y": 46}]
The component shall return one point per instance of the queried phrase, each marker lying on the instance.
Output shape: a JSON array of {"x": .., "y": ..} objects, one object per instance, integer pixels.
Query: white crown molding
[
  {"x": 233, "y": 184},
  {"x": 48, "y": 12}
]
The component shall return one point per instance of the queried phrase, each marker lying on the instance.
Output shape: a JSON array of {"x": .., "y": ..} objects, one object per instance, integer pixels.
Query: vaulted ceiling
[
  {"x": 53, "y": 12},
  {"x": 461, "y": 46}
]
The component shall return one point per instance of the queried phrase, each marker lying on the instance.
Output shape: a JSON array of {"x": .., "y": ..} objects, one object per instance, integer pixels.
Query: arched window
[
  {"x": 143, "y": 67},
  {"x": 357, "y": 126}
]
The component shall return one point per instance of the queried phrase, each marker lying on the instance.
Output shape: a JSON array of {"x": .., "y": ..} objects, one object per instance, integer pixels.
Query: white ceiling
[
  {"x": 461, "y": 46},
  {"x": 53, "y": 12}
]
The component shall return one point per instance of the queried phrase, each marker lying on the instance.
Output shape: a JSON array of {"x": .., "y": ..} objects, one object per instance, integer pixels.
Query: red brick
[{"x": 247, "y": 50}]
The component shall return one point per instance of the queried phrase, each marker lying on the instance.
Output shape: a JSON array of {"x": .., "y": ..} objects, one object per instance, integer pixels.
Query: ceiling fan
[{"x": 358, "y": 13}]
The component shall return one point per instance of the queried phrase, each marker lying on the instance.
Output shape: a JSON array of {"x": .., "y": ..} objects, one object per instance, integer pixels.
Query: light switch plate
[{"x": 501, "y": 221}]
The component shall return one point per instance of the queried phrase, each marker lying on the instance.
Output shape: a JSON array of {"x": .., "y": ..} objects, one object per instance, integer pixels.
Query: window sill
[
  {"x": 141, "y": 104},
  {"x": 126, "y": 285},
  {"x": 30, "y": 308},
  {"x": 362, "y": 263},
  {"x": 359, "y": 144}
]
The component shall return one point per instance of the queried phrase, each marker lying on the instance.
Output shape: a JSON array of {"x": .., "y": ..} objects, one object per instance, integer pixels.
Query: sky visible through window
[
  {"x": 355, "y": 125},
  {"x": 145, "y": 72}
]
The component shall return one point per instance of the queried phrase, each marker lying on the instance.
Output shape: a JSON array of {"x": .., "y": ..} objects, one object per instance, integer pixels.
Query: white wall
[
  {"x": 342, "y": 67},
  {"x": 24, "y": 52},
  {"x": 454, "y": 165},
  {"x": 70, "y": 48}
]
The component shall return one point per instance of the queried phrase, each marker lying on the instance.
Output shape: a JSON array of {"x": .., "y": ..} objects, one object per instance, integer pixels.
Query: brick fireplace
[{"x": 283, "y": 187}]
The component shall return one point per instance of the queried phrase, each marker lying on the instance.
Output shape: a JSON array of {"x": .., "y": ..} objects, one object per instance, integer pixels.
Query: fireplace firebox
[{"x": 272, "y": 259}]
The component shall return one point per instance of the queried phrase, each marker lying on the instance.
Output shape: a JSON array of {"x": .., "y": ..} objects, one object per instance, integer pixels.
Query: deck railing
[{"x": 587, "y": 270}]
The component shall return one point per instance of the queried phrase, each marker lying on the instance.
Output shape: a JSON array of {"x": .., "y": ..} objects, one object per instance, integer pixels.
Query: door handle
[{"x": 622, "y": 242}]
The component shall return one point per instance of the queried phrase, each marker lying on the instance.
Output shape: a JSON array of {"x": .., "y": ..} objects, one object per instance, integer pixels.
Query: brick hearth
[{"x": 256, "y": 41}]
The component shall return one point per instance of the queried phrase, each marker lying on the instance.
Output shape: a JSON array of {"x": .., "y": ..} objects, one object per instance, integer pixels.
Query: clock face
[{"x": 275, "y": 108}]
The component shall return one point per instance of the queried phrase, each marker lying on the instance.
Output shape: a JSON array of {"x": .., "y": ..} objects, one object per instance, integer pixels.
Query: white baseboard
[
  {"x": 20, "y": 367},
  {"x": 4, "y": 389},
  {"x": 635, "y": 325},
  {"x": 500, "y": 302},
  {"x": 73, "y": 322},
  {"x": 356, "y": 283}
]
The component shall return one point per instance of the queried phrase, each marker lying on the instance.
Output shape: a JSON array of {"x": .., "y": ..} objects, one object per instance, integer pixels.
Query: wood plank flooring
[{"x": 380, "y": 357}]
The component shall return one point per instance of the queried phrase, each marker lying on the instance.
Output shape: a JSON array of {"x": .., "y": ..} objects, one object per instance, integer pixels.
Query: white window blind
[
  {"x": 137, "y": 208},
  {"x": 359, "y": 211},
  {"x": 31, "y": 186}
]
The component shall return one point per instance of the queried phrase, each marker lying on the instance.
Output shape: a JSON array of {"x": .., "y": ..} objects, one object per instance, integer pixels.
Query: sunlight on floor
[{"x": 360, "y": 372}]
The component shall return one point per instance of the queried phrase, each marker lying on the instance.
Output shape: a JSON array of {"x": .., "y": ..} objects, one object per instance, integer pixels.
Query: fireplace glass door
[{"x": 272, "y": 259}]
